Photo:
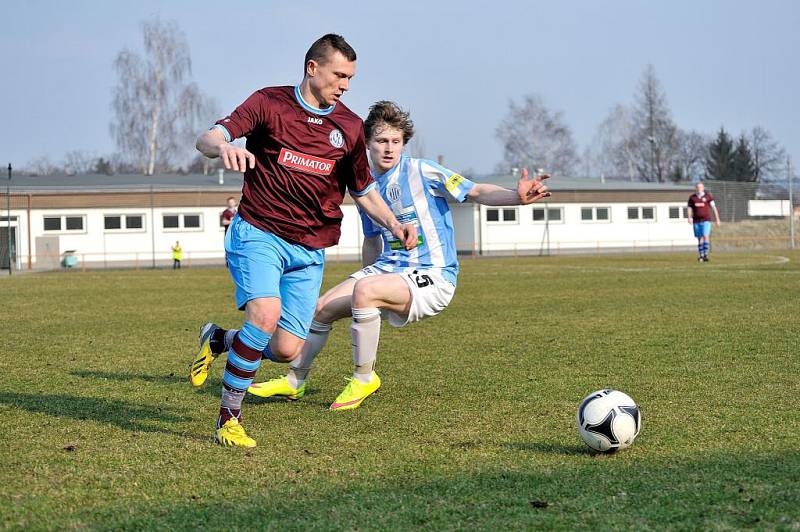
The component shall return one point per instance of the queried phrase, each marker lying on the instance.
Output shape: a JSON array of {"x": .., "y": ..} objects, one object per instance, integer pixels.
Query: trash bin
[{"x": 69, "y": 259}]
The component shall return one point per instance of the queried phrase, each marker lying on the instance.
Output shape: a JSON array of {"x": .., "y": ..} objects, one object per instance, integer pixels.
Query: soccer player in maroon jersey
[
  {"x": 304, "y": 150},
  {"x": 701, "y": 203},
  {"x": 227, "y": 215}
]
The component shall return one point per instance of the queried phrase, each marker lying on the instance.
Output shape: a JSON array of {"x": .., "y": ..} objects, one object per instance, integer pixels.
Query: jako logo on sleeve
[{"x": 305, "y": 163}]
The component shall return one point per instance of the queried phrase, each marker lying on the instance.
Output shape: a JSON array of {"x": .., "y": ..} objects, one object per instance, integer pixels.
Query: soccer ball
[{"x": 608, "y": 420}]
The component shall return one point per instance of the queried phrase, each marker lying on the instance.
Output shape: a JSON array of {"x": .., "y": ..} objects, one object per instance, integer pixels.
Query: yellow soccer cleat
[
  {"x": 198, "y": 371},
  {"x": 355, "y": 392},
  {"x": 232, "y": 434},
  {"x": 278, "y": 387}
]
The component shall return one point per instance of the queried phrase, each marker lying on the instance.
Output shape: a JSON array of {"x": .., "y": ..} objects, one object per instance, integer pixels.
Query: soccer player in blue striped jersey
[{"x": 399, "y": 285}]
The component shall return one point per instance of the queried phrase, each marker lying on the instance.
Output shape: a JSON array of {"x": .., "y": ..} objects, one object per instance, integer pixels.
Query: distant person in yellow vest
[{"x": 177, "y": 255}]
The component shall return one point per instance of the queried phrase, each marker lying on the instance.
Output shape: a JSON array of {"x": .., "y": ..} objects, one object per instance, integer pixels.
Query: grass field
[{"x": 473, "y": 428}]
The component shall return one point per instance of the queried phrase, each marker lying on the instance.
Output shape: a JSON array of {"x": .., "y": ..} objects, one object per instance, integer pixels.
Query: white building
[{"x": 135, "y": 220}]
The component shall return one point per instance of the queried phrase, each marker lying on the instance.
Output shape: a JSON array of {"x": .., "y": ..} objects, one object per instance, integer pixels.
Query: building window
[
  {"x": 678, "y": 213},
  {"x": 501, "y": 215},
  {"x": 596, "y": 214},
  {"x": 72, "y": 224},
  {"x": 134, "y": 221},
  {"x": 171, "y": 221},
  {"x": 123, "y": 222},
  {"x": 112, "y": 222},
  {"x": 192, "y": 222},
  {"x": 642, "y": 213},
  {"x": 546, "y": 214}
]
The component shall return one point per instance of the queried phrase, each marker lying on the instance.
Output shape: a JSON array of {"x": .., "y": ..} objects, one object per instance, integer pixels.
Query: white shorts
[{"x": 430, "y": 294}]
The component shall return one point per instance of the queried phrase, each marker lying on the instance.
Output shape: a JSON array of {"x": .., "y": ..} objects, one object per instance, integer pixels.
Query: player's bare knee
[
  {"x": 363, "y": 293},
  {"x": 286, "y": 354},
  {"x": 265, "y": 322}
]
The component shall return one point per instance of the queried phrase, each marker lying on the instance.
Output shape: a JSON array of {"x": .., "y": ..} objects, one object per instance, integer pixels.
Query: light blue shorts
[
  {"x": 702, "y": 229},
  {"x": 265, "y": 265}
]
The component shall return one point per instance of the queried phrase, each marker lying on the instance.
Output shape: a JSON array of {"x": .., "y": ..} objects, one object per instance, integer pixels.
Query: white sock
[
  {"x": 301, "y": 366},
  {"x": 366, "y": 332}
]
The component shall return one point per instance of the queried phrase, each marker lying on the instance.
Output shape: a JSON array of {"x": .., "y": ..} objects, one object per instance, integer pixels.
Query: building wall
[
  {"x": 572, "y": 233},
  {"x": 94, "y": 244}
]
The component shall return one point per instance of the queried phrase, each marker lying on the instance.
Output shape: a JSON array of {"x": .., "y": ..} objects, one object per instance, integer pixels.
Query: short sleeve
[
  {"x": 356, "y": 172},
  {"x": 369, "y": 228},
  {"x": 445, "y": 182},
  {"x": 245, "y": 118}
]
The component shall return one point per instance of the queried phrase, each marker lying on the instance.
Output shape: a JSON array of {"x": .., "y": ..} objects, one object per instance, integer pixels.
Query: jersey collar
[
  {"x": 310, "y": 108},
  {"x": 388, "y": 172}
]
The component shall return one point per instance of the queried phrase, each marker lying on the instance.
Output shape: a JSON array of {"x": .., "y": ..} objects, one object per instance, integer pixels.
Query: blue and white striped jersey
[{"x": 417, "y": 190}]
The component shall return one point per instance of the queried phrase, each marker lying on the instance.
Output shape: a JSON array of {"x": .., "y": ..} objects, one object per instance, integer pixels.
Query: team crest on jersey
[
  {"x": 394, "y": 193},
  {"x": 336, "y": 138}
]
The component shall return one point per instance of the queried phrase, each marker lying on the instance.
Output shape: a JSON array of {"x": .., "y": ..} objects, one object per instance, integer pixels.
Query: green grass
[{"x": 474, "y": 423}]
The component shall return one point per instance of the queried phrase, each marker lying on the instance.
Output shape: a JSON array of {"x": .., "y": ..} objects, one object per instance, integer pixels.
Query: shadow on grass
[
  {"x": 551, "y": 448},
  {"x": 212, "y": 386},
  {"x": 172, "y": 378},
  {"x": 125, "y": 415},
  {"x": 716, "y": 491}
]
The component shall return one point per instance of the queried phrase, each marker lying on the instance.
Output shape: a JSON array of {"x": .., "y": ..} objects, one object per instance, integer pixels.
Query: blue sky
[{"x": 454, "y": 64}]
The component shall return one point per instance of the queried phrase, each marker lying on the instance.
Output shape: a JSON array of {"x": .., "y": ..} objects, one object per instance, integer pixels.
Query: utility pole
[
  {"x": 8, "y": 217},
  {"x": 152, "y": 227},
  {"x": 790, "y": 177}
]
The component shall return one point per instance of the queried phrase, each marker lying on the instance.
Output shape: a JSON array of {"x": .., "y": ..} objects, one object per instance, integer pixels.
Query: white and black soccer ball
[{"x": 608, "y": 420}]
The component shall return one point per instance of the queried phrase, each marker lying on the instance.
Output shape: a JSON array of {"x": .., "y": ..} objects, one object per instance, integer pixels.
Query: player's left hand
[
  {"x": 717, "y": 223},
  {"x": 532, "y": 190},
  {"x": 407, "y": 234}
]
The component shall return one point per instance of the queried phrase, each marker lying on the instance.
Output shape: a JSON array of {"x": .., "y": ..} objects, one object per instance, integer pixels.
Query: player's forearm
[
  {"x": 370, "y": 249},
  {"x": 210, "y": 142},
  {"x": 372, "y": 203},
  {"x": 488, "y": 194},
  {"x": 716, "y": 214}
]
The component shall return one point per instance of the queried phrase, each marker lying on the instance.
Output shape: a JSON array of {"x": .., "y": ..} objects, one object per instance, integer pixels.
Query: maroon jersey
[
  {"x": 700, "y": 207},
  {"x": 306, "y": 159},
  {"x": 227, "y": 214}
]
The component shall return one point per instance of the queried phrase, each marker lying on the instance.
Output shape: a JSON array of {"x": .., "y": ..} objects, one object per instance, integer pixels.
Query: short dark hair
[
  {"x": 323, "y": 48},
  {"x": 388, "y": 113}
]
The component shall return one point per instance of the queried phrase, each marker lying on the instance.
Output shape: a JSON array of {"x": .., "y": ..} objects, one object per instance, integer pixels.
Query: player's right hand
[
  {"x": 407, "y": 234},
  {"x": 236, "y": 158}
]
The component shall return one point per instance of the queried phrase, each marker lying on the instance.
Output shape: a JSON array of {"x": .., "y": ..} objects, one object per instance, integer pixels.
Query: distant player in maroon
[
  {"x": 700, "y": 206},
  {"x": 304, "y": 150},
  {"x": 227, "y": 215}
]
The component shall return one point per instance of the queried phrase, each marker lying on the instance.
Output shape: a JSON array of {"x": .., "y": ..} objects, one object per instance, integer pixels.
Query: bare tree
[
  {"x": 200, "y": 112},
  {"x": 416, "y": 146},
  {"x": 655, "y": 139},
  {"x": 153, "y": 98},
  {"x": 690, "y": 156},
  {"x": 78, "y": 162},
  {"x": 535, "y": 137},
  {"x": 41, "y": 166},
  {"x": 614, "y": 144},
  {"x": 768, "y": 156}
]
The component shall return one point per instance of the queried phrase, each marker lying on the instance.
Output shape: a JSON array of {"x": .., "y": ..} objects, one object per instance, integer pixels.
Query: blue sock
[{"x": 244, "y": 358}]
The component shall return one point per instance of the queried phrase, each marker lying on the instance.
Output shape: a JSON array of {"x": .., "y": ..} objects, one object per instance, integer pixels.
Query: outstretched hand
[{"x": 532, "y": 190}]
